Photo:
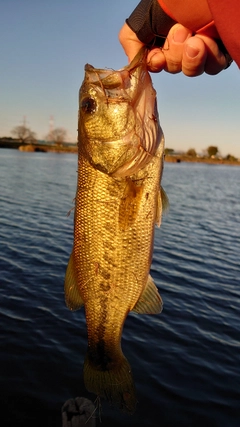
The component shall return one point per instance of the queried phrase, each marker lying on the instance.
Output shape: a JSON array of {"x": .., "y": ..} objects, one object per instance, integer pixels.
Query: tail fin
[{"x": 114, "y": 384}]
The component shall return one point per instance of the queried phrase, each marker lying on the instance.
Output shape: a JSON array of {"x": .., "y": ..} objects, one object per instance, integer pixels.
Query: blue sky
[{"x": 44, "y": 47}]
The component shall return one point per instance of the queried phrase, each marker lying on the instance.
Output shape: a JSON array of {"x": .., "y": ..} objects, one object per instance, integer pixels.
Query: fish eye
[{"x": 88, "y": 105}]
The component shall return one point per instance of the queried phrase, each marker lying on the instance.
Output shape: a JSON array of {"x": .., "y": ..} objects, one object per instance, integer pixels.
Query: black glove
[{"x": 150, "y": 23}]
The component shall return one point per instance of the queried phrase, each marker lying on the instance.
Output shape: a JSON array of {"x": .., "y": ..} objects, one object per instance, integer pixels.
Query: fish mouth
[
  {"x": 109, "y": 79},
  {"x": 138, "y": 139}
]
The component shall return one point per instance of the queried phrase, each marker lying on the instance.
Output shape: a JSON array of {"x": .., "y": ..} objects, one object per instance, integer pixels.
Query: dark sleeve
[{"x": 150, "y": 23}]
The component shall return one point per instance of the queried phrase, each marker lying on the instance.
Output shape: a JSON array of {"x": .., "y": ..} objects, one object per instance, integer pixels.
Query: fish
[{"x": 118, "y": 202}]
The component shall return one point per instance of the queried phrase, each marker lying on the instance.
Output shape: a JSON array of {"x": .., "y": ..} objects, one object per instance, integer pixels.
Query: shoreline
[
  {"x": 73, "y": 149},
  {"x": 188, "y": 159}
]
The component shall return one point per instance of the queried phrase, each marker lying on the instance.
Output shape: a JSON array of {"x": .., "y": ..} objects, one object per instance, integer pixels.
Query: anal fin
[{"x": 150, "y": 301}]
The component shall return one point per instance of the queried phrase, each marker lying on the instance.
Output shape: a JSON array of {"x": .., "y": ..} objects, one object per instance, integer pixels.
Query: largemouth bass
[{"x": 118, "y": 202}]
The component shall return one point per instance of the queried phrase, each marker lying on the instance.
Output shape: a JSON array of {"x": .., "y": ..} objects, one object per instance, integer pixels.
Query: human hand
[{"x": 193, "y": 55}]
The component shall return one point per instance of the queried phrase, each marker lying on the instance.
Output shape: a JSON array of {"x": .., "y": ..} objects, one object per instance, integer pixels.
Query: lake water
[{"x": 185, "y": 361}]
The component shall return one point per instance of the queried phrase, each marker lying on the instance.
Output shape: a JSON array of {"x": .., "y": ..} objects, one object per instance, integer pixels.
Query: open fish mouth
[{"x": 129, "y": 94}]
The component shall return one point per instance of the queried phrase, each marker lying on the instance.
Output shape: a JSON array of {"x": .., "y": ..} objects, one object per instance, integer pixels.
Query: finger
[
  {"x": 216, "y": 61},
  {"x": 194, "y": 57},
  {"x": 174, "y": 46},
  {"x": 129, "y": 41},
  {"x": 156, "y": 60}
]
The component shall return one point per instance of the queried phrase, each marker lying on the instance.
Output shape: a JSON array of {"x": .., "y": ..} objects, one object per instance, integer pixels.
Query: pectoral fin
[
  {"x": 72, "y": 296},
  {"x": 165, "y": 201},
  {"x": 162, "y": 205},
  {"x": 150, "y": 301}
]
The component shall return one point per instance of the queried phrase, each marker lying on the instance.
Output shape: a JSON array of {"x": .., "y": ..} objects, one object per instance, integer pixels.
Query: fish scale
[{"x": 118, "y": 202}]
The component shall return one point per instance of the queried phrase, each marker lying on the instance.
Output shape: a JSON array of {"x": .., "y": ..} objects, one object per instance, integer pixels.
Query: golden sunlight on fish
[{"x": 118, "y": 203}]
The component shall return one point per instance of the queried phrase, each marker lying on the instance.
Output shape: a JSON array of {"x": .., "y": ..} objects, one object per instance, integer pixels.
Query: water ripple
[{"x": 185, "y": 361}]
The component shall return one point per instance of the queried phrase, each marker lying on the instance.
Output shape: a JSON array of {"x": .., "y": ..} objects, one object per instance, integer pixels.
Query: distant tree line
[
  {"x": 57, "y": 136},
  {"x": 26, "y": 136},
  {"x": 210, "y": 151}
]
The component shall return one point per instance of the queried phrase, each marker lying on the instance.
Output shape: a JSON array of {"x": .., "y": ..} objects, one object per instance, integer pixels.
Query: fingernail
[
  {"x": 191, "y": 51},
  {"x": 180, "y": 35}
]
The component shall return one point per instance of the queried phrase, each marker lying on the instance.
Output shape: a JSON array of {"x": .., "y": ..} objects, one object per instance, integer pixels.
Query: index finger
[{"x": 129, "y": 41}]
